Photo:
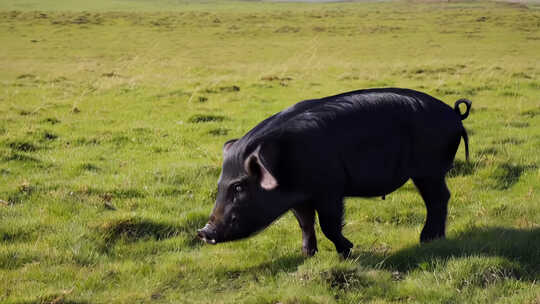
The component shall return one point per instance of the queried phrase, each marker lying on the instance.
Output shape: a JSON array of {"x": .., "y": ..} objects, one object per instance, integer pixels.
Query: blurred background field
[{"x": 114, "y": 113}]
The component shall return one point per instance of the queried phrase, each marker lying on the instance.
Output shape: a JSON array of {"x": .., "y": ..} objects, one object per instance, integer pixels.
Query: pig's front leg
[
  {"x": 330, "y": 211},
  {"x": 305, "y": 214}
]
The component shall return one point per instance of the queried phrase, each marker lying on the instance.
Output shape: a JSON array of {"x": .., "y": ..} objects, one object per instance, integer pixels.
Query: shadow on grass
[
  {"x": 520, "y": 246},
  {"x": 17, "y": 234},
  {"x": 531, "y": 113},
  {"x": 508, "y": 174},
  {"x": 488, "y": 151},
  {"x": 118, "y": 193},
  {"x": 20, "y": 158},
  {"x": 202, "y": 118},
  {"x": 508, "y": 141},
  {"x": 22, "y": 193},
  {"x": 22, "y": 146},
  {"x": 463, "y": 168},
  {"x": 287, "y": 264},
  {"x": 133, "y": 229}
]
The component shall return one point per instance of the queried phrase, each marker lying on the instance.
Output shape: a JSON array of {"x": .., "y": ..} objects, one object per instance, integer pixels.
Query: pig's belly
[{"x": 376, "y": 169}]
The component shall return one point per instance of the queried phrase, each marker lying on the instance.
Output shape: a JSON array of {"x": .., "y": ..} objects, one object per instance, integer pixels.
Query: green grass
[{"x": 113, "y": 120}]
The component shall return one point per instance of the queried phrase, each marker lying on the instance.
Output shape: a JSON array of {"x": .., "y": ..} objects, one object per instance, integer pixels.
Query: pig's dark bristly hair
[{"x": 315, "y": 113}]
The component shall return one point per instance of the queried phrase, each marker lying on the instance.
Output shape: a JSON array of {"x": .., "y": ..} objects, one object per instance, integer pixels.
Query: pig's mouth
[
  {"x": 207, "y": 234},
  {"x": 208, "y": 241}
]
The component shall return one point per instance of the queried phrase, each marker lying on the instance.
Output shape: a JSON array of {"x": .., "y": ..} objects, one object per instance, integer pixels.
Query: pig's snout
[{"x": 207, "y": 234}]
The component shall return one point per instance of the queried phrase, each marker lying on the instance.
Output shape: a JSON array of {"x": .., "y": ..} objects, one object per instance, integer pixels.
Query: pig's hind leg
[
  {"x": 305, "y": 214},
  {"x": 436, "y": 195}
]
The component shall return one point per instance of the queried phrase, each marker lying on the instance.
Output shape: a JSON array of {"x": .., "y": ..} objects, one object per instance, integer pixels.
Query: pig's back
[{"x": 374, "y": 137}]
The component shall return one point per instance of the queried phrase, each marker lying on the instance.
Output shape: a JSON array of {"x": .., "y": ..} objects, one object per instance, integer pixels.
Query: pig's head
[{"x": 249, "y": 195}]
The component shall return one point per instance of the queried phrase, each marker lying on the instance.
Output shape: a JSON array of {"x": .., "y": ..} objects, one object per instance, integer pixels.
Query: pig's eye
[{"x": 238, "y": 188}]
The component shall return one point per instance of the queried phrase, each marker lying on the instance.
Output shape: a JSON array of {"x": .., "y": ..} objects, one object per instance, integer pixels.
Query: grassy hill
[{"x": 113, "y": 116}]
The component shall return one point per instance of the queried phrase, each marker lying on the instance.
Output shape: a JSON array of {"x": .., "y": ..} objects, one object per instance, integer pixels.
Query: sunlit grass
[{"x": 113, "y": 120}]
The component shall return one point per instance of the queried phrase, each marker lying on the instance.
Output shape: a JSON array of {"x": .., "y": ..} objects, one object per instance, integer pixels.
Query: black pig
[{"x": 310, "y": 156}]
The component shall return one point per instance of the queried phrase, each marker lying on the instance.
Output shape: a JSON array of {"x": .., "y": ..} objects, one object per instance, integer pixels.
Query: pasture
[{"x": 113, "y": 115}]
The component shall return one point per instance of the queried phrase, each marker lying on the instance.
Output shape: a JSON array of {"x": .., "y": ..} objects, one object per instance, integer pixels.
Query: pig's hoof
[
  {"x": 428, "y": 236},
  {"x": 309, "y": 252},
  {"x": 345, "y": 250},
  {"x": 345, "y": 254}
]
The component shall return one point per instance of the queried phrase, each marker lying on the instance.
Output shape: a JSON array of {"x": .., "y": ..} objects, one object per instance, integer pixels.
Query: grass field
[{"x": 113, "y": 116}]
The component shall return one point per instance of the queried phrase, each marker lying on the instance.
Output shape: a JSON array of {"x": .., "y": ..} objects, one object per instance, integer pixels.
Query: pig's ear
[
  {"x": 257, "y": 164},
  {"x": 228, "y": 144}
]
